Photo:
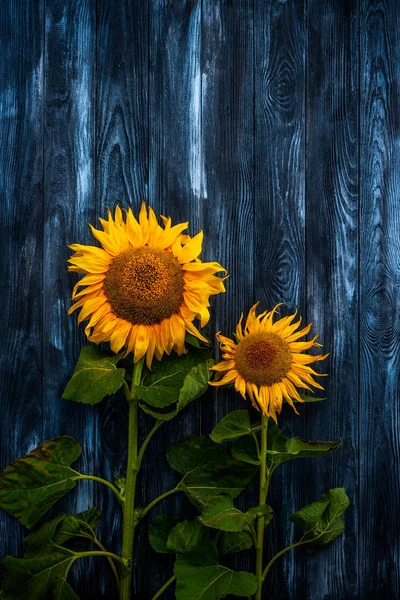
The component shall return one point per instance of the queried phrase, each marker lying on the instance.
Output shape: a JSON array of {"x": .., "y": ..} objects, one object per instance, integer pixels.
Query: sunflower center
[
  {"x": 144, "y": 285},
  {"x": 263, "y": 358}
]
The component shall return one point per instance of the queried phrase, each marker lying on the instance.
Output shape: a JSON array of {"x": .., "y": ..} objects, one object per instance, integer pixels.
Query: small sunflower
[
  {"x": 144, "y": 286},
  {"x": 267, "y": 362}
]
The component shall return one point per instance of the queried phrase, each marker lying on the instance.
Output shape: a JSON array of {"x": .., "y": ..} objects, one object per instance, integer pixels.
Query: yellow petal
[
  {"x": 227, "y": 379},
  {"x": 191, "y": 250},
  {"x": 141, "y": 343},
  {"x": 119, "y": 335},
  {"x": 224, "y": 365}
]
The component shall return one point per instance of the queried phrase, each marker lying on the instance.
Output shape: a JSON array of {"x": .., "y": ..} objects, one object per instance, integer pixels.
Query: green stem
[
  {"x": 104, "y": 482},
  {"x": 264, "y": 482},
  {"x": 146, "y": 442},
  {"x": 157, "y": 500},
  {"x": 98, "y": 553},
  {"x": 128, "y": 508},
  {"x": 164, "y": 587},
  {"x": 271, "y": 562}
]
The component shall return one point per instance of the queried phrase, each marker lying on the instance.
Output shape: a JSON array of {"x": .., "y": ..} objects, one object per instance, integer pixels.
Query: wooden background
[{"x": 273, "y": 125}]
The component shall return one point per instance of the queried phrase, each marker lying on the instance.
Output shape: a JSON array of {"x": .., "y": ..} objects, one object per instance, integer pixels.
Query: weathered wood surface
[{"x": 274, "y": 127}]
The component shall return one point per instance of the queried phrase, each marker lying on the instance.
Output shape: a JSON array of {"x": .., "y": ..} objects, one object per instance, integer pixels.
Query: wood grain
[
  {"x": 279, "y": 222},
  {"x": 69, "y": 70},
  {"x": 21, "y": 189},
  {"x": 332, "y": 270},
  {"x": 274, "y": 127},
  {"x": 379, "y": 300}
]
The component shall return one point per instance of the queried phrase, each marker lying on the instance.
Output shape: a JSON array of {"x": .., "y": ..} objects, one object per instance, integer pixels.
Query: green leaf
[
  {"x": 64, "y": 591},
  {"x": 281, "y": 449},
  {"x": 208, "y": 470},
  {"x": 322, "y": 521},
  {"x": 230, "y": 542},
  {"x": 245, "y": 450},
  {"x": 80, "y": 525},
  {"x": 234, "y": 425},
  {"x": 96, "y": 375},
  {"x": 308, "y": 399},
  {"x": 199, "y": 576},
  {"x": 195, "y": 342},
  {"x": 176, "y": 381},
  {"x": 185, "y": 535},
  {"x": 41, "y": 573},
  {"x": 32, "y": 484},
  {"x": 220, "y": 513},
  {"x": 159, "y": 531}
]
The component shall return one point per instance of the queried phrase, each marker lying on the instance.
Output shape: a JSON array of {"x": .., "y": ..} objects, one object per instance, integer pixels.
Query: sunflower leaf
[
  {"x": 198, "y": 575},
  {"x": 32, "y": 484},
  {"x": 220, "y": 513},
  {"x": 231, "y": 542},
  {"x": 208, "y": 470},
  {"x": 96, "y": 376},
  {"x": 281, "y": 449},
  {"x": 185, "y": 535},
  {"x": 322, "y": 521},
  {"x": 64, "y": 591},
  {"x": 162, "y": 386},
  {"x": 41, "y": 573},
  {"x": 234, "y": 425},
  {"x": 159, "y": 531},
  {"x": 170, "y": 380},
  {"x": 308, "y": 399},
  {"x": 195, "y": 342},
  {"x": 245, "y": 450}
]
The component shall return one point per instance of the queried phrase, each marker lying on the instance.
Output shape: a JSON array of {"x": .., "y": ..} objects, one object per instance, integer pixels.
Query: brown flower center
[
  {"x": 144, "y": 285},
  {"x": 263, "y": 358}
]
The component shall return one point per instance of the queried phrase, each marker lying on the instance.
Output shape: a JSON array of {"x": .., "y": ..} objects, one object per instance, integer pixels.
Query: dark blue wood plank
[
  {"x": 68, "y": 206},
  {"x": 332, "y": 272},
  {"x": 174, "y": 190},
  {"x": 21, "y": 192},
  {"x": 379, "y": 530},
  {"x": 227, "y": 60},
  {"x": 122, "y": 155},
  {"x": 280, "y": 45}
]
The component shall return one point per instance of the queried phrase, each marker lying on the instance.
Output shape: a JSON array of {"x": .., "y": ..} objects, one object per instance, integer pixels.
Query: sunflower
[
  {"x": 267, "y": 363},
  {"x": 144, "y": 287}
]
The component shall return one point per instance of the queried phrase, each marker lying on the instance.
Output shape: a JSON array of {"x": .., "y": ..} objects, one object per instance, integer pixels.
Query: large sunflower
[
  {"x": 144, "y": 286},
  {"x": 267, "y": 363}
]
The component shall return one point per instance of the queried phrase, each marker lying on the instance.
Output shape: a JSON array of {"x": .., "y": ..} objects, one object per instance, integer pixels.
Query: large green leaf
[
  {"x": 185, "y": 535},
  {"x": 41, "y": 573},
  {"x": 220, "y": 513},
  {"x": 199, "y": 576},
  {"x": 170, "y": 387},
  {"x": 63, "y": 591},
  {"x": 322, "y": 521},
  {"x": 193, "y": 452},
  {"x": 159, "y": 531},
  {"x": 234, "y": 425},
  {"x": 32, "y": 484},
  {"x": 208, "y": 470},
  {"x": 245, "y": 450},
  {"x": 96, "y": 376},
  {"x": 281, "y": 449},
  {"x": 230, "y": 542}
]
